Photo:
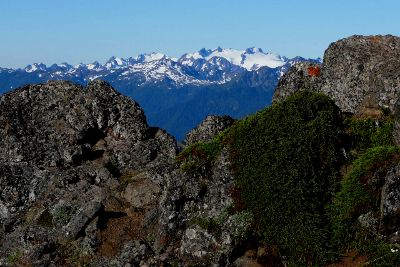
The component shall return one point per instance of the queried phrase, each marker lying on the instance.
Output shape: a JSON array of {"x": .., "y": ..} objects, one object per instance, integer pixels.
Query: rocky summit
[
  {"x": 361, "y": 73},
  {"x": 84, "y": 180}
]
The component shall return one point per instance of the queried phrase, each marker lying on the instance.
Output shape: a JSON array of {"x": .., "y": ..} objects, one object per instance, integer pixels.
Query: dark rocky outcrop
[
  {"x": 85, "y": 180},
  {"x": 69, "y": 155},
  {"x": 390, "y": 206},
  {"x": 297, "y": 78},
  {"x": 208, "y": 128}
]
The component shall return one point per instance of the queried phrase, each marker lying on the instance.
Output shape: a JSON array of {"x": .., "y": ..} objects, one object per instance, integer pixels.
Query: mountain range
[{"x": 176, "y": 93}]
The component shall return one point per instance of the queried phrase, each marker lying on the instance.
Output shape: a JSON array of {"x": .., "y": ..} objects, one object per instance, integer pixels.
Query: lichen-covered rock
[
  {"x": 192, "y": 201},
  {"x": 199, "y": 246},
  {"x": 82, "y": 217},
  {"x": 352, "y": 72},
  {"x": 208, "y": 128},
  {"x": 142, "y": 193},
  {"x": 65, "y": 154},
  {"x": 360, "y": 73},
  {"x": 258, "y": 258},
  {"x": 396, "y": 126},
  {"x": 300, "y": 76},
  {"x": 390, "y": 205},
  {"x": 134, "y": 253}
]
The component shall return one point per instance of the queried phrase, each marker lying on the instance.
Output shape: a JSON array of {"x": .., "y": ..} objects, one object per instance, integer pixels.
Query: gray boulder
[
  {"x": 360, "y": 73},
  {"x": 208, "y": 128},
  {"x": 300, "y": 76},
  {"x": 65, "y": 154}
]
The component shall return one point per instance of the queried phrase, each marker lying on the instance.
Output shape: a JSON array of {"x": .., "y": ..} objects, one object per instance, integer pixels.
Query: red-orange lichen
[
  {"x": 375, "y": 39},
  {"x": 314, "y": 72}
]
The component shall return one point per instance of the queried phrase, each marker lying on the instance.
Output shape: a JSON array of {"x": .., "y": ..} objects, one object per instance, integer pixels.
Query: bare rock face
[
  {"x": 67, "y": 154},
  {"x": 208, "y": 128},
  {"x": 390, "y": 205},
  {"x": 300, "y": 76},
  {"x": 193, "y": 199},
  {"x": 142, "y": 193},
  {"x": 360, "y": 73},
  {"x": 85, "y": 181},
  {"x": 354, "y": 70}
]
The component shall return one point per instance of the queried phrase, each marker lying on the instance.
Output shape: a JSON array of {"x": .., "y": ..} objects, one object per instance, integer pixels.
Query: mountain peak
[
  {"x": 35, "y": 67},
  {"x": 205, "y": 53},
  {"x": 111, "y": 59},
  {"x": 251, "y": 59},
  {"x": 253, "y": 50}
]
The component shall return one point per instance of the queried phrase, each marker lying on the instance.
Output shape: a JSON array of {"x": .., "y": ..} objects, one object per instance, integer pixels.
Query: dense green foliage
[
  {"x": 365, "y": 134},
  {"x": 285, "y": 159},
  {"x": 356, "y": 209},
  {"x": 198, "y": 157}
]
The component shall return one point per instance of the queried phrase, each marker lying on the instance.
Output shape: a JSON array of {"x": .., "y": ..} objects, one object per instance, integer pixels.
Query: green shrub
[
  {"x": 198, "y": 157},
  {"x": 385, "y": 111},
  {"x": 365, "y": 134},
  {"x": 356, "y": 209},
  {"x": 285, "y": 160},
  {"x": 381, "y": 254}
]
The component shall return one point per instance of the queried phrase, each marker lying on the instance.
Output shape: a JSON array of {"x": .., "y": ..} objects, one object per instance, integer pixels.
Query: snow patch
[{"x": 250, "y": 59}]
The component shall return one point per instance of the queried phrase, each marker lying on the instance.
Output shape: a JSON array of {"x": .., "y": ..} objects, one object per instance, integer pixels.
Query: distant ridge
[{"x": 209, "y": 82}]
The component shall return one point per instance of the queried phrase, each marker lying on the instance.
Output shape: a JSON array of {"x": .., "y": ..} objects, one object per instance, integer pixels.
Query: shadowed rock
[{"x": 208, "y": 128}]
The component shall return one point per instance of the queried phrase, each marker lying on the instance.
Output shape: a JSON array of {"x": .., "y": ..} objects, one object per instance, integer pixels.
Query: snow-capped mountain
[
  {"x": 35, "y": 67},
  {"x": 205, "y": 67},
  {"x": 176, "y": 93},
  {"x": 250, "y": 59}
]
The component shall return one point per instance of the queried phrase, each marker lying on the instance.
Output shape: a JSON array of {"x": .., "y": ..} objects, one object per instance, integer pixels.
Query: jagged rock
[
  {"x": 142, "y": 193},
  {"x": 390, "y": 204},
  {"x": 210, "y": 126},
  {"x": 64, "y": 152},
  {"x": 396, "y": 126},
  {"x": 258, "y": 258},
  {"x": 133, "y": 253},
  {"x": 36, "y": 256},
  {"x": 67, "y": 122},
  {"x": 191, "y": 197},
  {"x": 352, "y": 72},
  {"x": 299, "y": 77},
  {"x": 199, "y": 246},
  {"x": 82, "y": 217},
  {"x": 360, "y": 73}
]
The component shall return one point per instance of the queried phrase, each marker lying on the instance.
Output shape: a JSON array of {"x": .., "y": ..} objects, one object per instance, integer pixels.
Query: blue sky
[{"x": 53, "y": 31}]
